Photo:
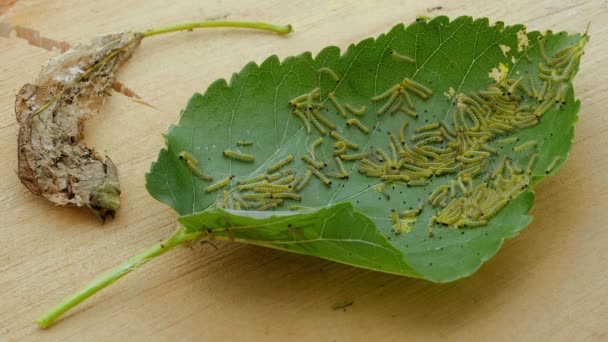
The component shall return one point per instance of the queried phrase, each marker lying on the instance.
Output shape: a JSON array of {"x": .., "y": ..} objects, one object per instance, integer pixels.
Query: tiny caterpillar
[
  {"x": 239, "y": 156},
  {"x": 349, "y": 157},
  {"x": 313, "y": 163},
  {"x": 428, "y": 127},
  {"x": 192, "y": 164},
  {"x": 553, "y": 164},
  {"x": 349, "y": 144},
  {"x": 330, "y": 72},
  {"x": 323, "y": 120},
  {"x": 305, "y": 181},
  {"x": 314, "y": 145},
  {"x": 524, "y": 146},
  {"x": 224, "y": 182},
  {"x": 355, "y": 122},
  {"x": 359, "y": 111},
  {"x": 280, "y": 164},
  {"x": 399, "y": 57},
  {"x": 333, "y": 99},
  {"x": 244, "y": 143},
  {"x": 319, "y": 175}
]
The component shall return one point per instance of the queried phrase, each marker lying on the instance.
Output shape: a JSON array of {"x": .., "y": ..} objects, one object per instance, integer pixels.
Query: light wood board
[{"x": 549, "y": 283}]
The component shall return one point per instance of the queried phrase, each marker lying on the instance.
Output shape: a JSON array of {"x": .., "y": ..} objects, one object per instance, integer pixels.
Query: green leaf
[{"x": 356, "y": 220}]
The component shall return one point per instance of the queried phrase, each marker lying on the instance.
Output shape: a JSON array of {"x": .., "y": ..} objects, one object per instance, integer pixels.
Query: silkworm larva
[
  {"x": 524, "y": 146},
  {"x": 285, "y": 180},
  {"x": 418, "y": 88},
  {"x": 391, "y": 147},
  {"x": 355, "y": 122},
  {"x": 313, "y": 163},
  {"x": 383, "y": 156},
  {"x": 330, "y": 72},
  {"x": 239, "y": 156},
  {"x": 316, "y": 123},
  {"x": 261, "y": 195},
  {"x": 219, "y": 185},
  {"x": 304, "y": 181},
  {"x": 359, "y": 111},
  {"x": 388, "y": 104},
  {"x": 442, "y": 188},
  {"x": 417, "y": 182},
  {"x": 287, "y": 195},
  {"x": 450, "y": 169},
  {"x": 507, "y": 140},
  {"x": 472, "y": 223},
  {"x": 396, "y": 105},
  {"x": 244, "y": 143},
  {"x": 544, "y": 89},
  {"x": 429, "y": 141},
  {"x": 282, "y": 174},
  {"x": 240, "y": 202},
  {"x": 341, "y": 167},
  {"x": 409, "y": 112},
  {"x": 402, "y": 58},
  {"x": 250, "y": 185},
  {"x": 314, "y": 145},
  {"x": 298, "y": 99},
  {"x": 541, "y": 49},
  {"x": 427, "y": 127},
  {"x": 192, "y": 164},
  {"x": 349, "y": 144},
  {"x": 304, "y": 120},
  {"x": 389, "y": 92},
  {"x": 472, "y": 153},
  {"x": 333, "y": 99},
  {"x": 553, "y": 164},
  {"x": 321, "y": 176},
  {"x": 323, "y": 120},
  {"x": 421, "y": 136},
  {"x": 339, "y": 148},
  {"x": 268, "y": 205},
  {"x": 489, "y": 148},
  {"x": 224, "y": 199},
  {"x": 545, "y": 107},
  {"x": 391, "y": 178},
  {"x": 402, "y": 132},
  {"x": 280, "y": 164},
  {"x": 531, "y": 163},
  {"x": 533, "y": 85},
  {"x": 396, "y": 142},
  {"x": 408, "y": 99},
  {"x": 349, "y": 157}
]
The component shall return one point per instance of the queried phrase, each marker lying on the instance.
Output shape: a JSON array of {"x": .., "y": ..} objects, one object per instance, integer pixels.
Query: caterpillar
[
  {"x": 330, "y": 72},
  {"x": 402, "y": 58},
  {"x": 349, "y": 144},
  {"x": 280, "y": 164},
  {"x": 224, "y": 182},
  {"x": 319, "y": 175},
  {"x": 192, "y": 164},
  {"x": 359, "y": 111},
  {"x": 553, "y": 164},
  {"x": 349, "y": 157},
  {"x": 313, "y": 163},
  {"x": 314, "y": 145},
  {"x": 524, "y": 146},
  {"x": 333, "y": 99},
  {"x": 239, "y": 156},
  {"x": 355, "y": 122}
]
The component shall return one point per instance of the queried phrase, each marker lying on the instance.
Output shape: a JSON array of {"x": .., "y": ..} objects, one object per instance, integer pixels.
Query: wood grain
[{"x": 549, "y": 283}]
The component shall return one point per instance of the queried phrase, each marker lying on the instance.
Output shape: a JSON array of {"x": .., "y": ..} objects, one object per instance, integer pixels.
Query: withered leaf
[{"x": 53, "y": 159}]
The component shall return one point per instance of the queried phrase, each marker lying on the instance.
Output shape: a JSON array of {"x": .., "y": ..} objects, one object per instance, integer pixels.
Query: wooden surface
[{"x": 549, "y": 283}]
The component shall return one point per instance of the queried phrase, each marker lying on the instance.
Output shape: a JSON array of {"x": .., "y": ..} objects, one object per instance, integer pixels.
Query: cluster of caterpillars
[{"x": 461, "y": 147}]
